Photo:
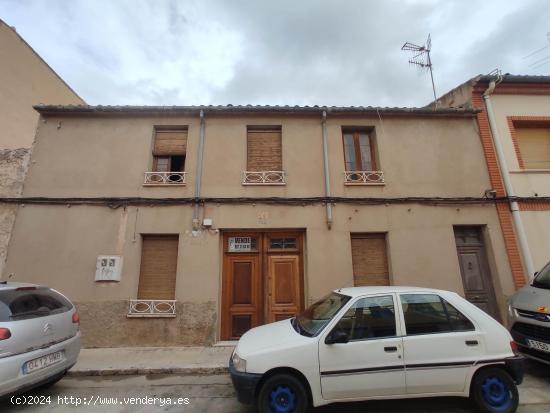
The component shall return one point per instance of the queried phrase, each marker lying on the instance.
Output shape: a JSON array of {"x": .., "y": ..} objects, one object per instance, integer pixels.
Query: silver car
[
  {"x": 529, "y": 317},
  {"x": 39, "y": 336}
]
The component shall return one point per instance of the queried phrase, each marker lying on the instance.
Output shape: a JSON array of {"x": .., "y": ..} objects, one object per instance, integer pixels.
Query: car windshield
[
  {"x": 317, "y": 316},
  {"x": 542, "y": 280}
]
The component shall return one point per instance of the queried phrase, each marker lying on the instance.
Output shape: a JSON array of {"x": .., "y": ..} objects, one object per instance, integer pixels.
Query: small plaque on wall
[
  {"x": 239, "y": 244},
  {"x": 108, "y": 268}
]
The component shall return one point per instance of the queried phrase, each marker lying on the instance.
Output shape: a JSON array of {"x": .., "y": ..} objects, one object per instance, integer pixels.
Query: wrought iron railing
[
  {"x": 164, "y": 178},
  {"x": 152, "y": 308},
  {"x": 363, "y": 177},
  {"x": 264, "y": 178}
]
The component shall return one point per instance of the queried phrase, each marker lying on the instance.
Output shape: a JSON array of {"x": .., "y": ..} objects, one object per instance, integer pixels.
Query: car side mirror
[{"x": 337, "y": 336}]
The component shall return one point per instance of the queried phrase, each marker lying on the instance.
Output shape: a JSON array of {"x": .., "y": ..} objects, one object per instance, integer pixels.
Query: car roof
[
  {"x": 13, "y": 285},
  {"x": 359, "y": 291}
]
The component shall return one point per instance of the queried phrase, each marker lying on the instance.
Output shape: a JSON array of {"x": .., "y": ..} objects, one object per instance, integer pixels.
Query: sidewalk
[{"x": 152, "y": 360}]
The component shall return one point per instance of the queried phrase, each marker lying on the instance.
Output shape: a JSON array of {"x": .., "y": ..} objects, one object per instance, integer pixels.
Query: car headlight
[{"x": 238, "y": 362}]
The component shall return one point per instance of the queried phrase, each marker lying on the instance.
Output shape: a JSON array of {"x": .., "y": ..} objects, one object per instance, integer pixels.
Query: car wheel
[
  {"x": 282, "y": 393},
  {"x": 494, "y": 391}
]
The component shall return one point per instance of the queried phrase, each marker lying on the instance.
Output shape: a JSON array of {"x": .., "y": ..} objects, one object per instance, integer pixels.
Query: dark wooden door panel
[
  {"x": 283, "y": 298},
  {"x": 242, "y": 299},
  {"x": 474, "y": 269}
]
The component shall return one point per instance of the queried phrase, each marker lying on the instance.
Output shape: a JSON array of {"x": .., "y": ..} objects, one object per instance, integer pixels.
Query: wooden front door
[
  {"x": 474, "y": 268},
  {"x": 262, "y": 280}
]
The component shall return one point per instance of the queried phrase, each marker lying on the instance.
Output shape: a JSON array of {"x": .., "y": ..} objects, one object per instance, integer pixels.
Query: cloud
[{"x": 274, "y": 52}]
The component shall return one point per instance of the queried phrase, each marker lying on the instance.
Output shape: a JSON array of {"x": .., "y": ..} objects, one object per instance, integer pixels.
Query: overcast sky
[{"x": 305, "y": 52}]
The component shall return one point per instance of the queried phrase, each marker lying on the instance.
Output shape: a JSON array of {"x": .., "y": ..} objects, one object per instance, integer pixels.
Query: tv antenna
[
  {"x": 421, "y": 58},
  {"x": 542, "y": 61}
]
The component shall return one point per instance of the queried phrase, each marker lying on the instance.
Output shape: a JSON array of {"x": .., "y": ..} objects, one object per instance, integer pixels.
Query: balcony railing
[
  {"x": 152, "y": 308},
  {"x": 264, "y": 178},
  {"x": 164, "y": 178},
  {"x": 364, "y": 178}
]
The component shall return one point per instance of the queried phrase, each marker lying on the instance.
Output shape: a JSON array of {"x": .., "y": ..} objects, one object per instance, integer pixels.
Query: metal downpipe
[
  {"x": 327, "y": 171},
  {"x": 514, "y": 207},
  {"x": 198, "y": 178}
]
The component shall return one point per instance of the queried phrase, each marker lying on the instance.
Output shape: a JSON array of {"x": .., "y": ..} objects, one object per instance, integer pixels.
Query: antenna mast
[{"x": 421, "y": 58}]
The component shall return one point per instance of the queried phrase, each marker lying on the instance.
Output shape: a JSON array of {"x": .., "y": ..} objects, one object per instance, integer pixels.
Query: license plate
[
  {"x": 43, "y": 362},
  {"x": 537, "y": 345}
]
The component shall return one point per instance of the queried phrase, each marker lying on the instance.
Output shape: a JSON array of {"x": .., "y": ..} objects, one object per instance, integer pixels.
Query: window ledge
[
  {"x": 164, "y": 185},
  {"x": 364, "y": 183},
  {"x": 150, "y": 315},
  {"x": 527, "y": 171},
  {"x": 263, "y": 178}
]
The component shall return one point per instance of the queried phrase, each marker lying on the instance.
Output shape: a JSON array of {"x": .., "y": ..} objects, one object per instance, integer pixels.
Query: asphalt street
[{"x": 181, "y": 393}]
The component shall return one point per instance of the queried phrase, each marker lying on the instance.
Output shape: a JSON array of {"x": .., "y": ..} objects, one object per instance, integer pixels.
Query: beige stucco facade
[
  {"x": 106, "y": 155},
  {"x": 526, "y": 182},
  {"x": 25, "y": 80}
]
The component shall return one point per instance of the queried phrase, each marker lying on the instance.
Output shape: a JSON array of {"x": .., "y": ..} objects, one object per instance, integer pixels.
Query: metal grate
[
  {"x": 164, "y": 178},
  {"x": 152, "y": 308},
  {"x": 531, "y": 330},
  {"x": 363, "y": 177},
  {"x": 264, "y": 178}
]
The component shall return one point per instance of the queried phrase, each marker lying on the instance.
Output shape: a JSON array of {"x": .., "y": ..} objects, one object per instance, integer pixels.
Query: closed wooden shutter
[
  {"x": 534, "y": 145},
  {"x": 170, "y": 142},
  {"x": 370, "y": 259},
  {"x": 264, "y": 150},
  {"x": 157, "y": 278}
]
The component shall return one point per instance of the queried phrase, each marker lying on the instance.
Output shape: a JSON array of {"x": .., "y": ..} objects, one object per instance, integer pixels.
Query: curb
[{"x": 191, "y": 371}]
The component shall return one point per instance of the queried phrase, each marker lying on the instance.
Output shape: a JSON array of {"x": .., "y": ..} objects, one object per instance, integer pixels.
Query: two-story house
[
  {"x": 514, "y": 127},
  {"x": 190, "y": 225}
]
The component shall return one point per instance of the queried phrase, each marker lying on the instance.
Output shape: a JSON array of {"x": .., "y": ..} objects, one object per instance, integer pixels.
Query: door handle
[
  {"x": 471, "y": 342},
  {"x": 390, "y": 349}
]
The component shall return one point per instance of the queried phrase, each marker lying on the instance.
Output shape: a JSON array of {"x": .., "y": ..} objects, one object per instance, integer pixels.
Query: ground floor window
[
  {"x": 369, "y": 259},
  {"x": 157, "y": 277}
]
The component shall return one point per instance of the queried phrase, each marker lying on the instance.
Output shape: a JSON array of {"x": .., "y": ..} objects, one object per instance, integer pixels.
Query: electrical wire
[{"x": 117, "y": 202}]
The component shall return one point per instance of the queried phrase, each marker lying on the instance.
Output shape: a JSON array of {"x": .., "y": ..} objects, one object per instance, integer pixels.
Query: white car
[
  {"x": 39, "y": 336},
  {"x": 378, "y": 343}
]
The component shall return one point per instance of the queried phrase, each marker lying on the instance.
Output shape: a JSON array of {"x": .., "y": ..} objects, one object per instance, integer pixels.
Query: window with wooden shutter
[
  {"x": 534, "y": 146},
  {"x": 169, "y": 149},
  {"x": 369, "y": 259},
  {"x": 264, "y": 149},
  {"x": 157, "y": 278}
]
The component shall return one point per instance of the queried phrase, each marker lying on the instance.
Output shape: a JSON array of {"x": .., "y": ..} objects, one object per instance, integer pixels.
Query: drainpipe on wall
[
  {"x": 326, "y": 167},
  {"x": 196, "y": 220},
  {"x": 514, "y": 207}
]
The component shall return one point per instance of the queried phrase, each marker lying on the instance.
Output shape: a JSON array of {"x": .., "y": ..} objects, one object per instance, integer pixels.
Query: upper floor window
[
  {"x": 264, "y": 160},
  {"x": 169, "y": 152},
  {"x": 534, "y": 145},
  {"x": 360, "y": 157}
]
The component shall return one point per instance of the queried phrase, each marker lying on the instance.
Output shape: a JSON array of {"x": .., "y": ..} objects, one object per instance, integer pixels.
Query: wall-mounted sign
[{"x": 239, "y": 244}]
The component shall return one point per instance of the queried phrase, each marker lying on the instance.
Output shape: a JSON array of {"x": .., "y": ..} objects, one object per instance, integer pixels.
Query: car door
[
  {"x": 370, "y": 363},
  {"x": 440, "y": 344}
]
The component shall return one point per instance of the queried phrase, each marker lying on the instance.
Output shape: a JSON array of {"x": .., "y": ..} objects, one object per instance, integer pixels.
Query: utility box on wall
[{"x": 108, "y": 268}]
